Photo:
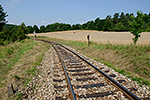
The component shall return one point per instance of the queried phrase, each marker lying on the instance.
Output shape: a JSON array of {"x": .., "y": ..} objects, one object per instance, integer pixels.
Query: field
[
  {"x": 18, "y": 60},
  {"x": 98, "y": 36},
  {"x": 114, "y": 49}
]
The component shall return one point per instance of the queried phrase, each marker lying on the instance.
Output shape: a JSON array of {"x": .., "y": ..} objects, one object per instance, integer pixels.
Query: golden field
[{"x": 98, "y": 36}]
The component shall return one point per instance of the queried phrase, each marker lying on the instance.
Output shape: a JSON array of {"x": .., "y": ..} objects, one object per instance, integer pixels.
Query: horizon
[{"x": 70, "y": 12}]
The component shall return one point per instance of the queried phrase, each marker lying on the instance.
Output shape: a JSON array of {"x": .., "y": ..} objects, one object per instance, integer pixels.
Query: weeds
[
  {"x": 125, "y": 59},
  {"x": 17, "y": 77},
  {"x": 17, "y": 58},
  {"x": 19, "y": 95}
]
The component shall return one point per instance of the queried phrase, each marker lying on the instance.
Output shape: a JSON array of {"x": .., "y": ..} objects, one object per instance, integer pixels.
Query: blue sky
[{"x": 44, "y": 12}]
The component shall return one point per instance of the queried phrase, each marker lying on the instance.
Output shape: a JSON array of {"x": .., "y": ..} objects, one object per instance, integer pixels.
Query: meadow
[
  {"x": 18, "y": 60},
  {"x": 123, "y": 38},
  {"x": 128, "y": 59}
]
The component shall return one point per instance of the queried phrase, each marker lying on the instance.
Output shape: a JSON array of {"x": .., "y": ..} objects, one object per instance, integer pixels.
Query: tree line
[
  {"x": 119, "y": 22},
  {"x": 10, "y": 33}
]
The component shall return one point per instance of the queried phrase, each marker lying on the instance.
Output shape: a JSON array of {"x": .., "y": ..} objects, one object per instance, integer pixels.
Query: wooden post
[
  {"x": 10, "y": 89},
  {"x": 88, "y": 37}
]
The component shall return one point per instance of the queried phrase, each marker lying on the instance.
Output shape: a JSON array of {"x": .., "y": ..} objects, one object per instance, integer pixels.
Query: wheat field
[{"x": 124, "y": 38}]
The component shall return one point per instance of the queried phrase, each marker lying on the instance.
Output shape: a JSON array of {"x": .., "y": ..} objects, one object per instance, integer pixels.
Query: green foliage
[
  {"x": 17, "y": 77},
  {"x": 107, "y": 26},
  {"x": 148, "y": 30},
  {"x": 42, "y": 29},
  {"x": 90, "y": 25},
  {"x": 116, "y": 18},
  {"x": 122, "y": 71},
  {"x": 136, "y": 26},
  {"x": 98, "y": 47},
  {"x": 19, "y": 96},
  {"x": 21, "y": 32},
  {"x": 128, "y": 60},
  {"x": 30, "y": 29},
  {"x": 74, "y": 27},
  {"x": 36, "y": 29},
  {"x": 99, "y": 24},
  {"x": 117, "y": 23},
  {"x": 12, "y": 34},
  {"x": 3, "y": 15},
  {"x": 57, "y": 27},
  {"x": 119, "y": 27},
  {"x": 8, "y": 25}
]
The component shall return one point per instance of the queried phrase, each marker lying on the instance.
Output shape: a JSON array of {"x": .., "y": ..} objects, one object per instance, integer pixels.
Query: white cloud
[
  {"x": 12, "y": 3},
  {"x": 16, "y": 1},
  {"x": 60, "y": 19},
  {"x": 81, "y": 23},
  {"x": 12, "y": 23},
  {"x": 42, "y": 21}
]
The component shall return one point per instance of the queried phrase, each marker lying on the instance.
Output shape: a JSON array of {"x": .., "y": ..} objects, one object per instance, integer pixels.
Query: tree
[
  {"x": 119, "y": 27},
  {"x": 99, "y": 24},
  {"x": 30, "y": 29},
  {"x": 21, "y": 32},
  {"x": 90, "y": 25},
  {"x": 116, "y": 18},
  {"x": 78, "y": 26},
  {"x": 48, "y": 28},
  {"x": 123, "y": 18},
  {"x": 36, "y": 29},
  {"x": 67, "y": 27},
  {"x": 73, "y": 27},
  {"x": 42, "y": 29},
  {"x": 97, "y": 20},
  {"x": 3, "y": 15},
  {"x": 107, "y": 26},
  {"x": 108, "y": 17},
  {"x": 136, "y": 26},
  {"x": 83, "y": 26}
]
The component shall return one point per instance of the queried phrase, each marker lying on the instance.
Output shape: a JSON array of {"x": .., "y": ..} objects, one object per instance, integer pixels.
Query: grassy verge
[
  {"x": 130, "y": 60},
  {"x": 18, "y": 63}
]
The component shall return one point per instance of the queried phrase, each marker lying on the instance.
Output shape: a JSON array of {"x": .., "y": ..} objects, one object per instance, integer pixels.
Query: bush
[
  {"x": 12, "y": 34},
  {"x": 148, "y": 30}
]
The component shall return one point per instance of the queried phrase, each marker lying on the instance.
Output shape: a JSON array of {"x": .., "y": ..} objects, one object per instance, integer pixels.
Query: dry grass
[
  {"x": 129, "y": 60},
  {"x": 19, "y": 66},
  {"x": 98, "y": 36}
]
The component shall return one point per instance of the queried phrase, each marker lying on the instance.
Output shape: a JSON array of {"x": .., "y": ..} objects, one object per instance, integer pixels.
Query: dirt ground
[{"x": 98, "y": 36}]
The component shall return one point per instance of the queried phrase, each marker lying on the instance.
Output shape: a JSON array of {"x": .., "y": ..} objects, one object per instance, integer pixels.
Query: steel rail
[
  {"x": 122, "y": 88},
  {"x": 69, "y": 83}
]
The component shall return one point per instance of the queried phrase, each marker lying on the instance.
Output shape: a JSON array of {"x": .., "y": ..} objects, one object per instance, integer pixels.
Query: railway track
[
  {"x": 77, "y": 79},
  {"x": 87, "y": 82}
]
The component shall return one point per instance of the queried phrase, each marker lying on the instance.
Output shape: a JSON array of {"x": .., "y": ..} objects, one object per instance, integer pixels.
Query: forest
[{"x": 119, "y": 22}]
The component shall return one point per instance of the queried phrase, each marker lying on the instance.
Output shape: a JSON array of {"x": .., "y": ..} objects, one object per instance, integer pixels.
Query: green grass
[
  {"x": 17, "y": 77},
  {"x": 18, "y": 61},
  {"x": 129, "y": 60},
  {"x": 18, "y": 50}
]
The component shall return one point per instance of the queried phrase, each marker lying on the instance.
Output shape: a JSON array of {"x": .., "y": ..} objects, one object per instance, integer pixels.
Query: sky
[{"x": 44, "y": 12}]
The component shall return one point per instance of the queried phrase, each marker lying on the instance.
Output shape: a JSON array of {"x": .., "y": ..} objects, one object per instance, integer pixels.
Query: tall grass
[
  {"x": 130, "y": 60},
  {"x": 6, "y": 54},
  {"x": 18, "y": 62}
]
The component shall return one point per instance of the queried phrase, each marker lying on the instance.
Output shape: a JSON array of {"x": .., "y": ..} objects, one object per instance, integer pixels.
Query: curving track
[
  {"x": 87, "y": 81},
  {"x": 83, "y": 80}
]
